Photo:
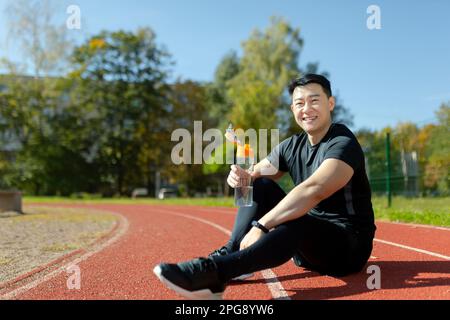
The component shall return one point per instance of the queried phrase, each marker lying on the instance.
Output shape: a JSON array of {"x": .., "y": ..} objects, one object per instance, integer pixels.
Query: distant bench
[{"x": 10, "y": 201}]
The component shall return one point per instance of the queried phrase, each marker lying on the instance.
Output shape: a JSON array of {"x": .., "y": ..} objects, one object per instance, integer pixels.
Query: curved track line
[
  {"x": 218, "y": 210},
  {"x": 415, "y": 225},
  {"x": 121, "y": 230},
  {"x": 276, "y": 288},
  {"x": 413, "y": 249}
]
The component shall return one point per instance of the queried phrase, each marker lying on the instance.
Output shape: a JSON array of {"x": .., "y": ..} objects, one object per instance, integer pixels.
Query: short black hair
[{"x": 311, "y": 78}]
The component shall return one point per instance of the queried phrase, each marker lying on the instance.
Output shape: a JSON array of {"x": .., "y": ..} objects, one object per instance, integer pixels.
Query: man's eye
[{"x": 315, "y": 100}]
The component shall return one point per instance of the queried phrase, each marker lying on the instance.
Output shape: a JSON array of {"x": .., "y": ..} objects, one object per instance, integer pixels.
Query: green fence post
[{"x": 388, "y": 169}]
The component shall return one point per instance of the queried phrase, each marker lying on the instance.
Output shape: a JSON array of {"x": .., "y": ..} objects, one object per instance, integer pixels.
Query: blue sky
[{"x": 398, "y": 73}]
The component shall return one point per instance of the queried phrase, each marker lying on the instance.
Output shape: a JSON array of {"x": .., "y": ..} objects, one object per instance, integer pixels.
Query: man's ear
[
  {"x": 292, "y": 107},
  {"x": 331, "y": 103}
]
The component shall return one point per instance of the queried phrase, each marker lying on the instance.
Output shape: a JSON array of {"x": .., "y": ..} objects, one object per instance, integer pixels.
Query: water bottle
[{"x": 243, "y": 194}]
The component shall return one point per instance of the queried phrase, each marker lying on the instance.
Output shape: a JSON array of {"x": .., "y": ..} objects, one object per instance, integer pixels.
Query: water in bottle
[{"x": 243, "y": 194}]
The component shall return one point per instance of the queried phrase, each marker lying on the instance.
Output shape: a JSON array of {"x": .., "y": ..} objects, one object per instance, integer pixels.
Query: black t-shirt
[{"x": 351, "y": 206}]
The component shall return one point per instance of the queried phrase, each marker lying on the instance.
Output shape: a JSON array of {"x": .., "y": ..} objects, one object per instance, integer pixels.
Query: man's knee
[
  {"x": 263, "y": 183},
  {"x": 267, "y": 191}
]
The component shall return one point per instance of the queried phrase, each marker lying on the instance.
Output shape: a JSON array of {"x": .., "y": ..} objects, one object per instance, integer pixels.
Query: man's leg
[
  {"x": 266, "y": 195},
  {"x": 328, "y": 249}
]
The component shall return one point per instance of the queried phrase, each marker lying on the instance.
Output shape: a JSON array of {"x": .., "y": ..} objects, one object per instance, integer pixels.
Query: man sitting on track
[{"x": 326, "y": 223}]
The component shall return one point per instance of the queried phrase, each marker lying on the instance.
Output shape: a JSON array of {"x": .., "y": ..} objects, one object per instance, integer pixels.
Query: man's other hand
[{"x": 251, "y": 237}]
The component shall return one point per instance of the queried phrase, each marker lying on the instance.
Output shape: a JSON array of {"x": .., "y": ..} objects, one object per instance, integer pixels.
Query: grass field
[{"x": 432, "y": 211}]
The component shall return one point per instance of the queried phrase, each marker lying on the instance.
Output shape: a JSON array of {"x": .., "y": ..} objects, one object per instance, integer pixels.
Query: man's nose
[{"x": 307, "y": 106}]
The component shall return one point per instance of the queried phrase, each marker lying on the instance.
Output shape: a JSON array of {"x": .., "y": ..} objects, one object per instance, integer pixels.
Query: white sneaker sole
[
  {"x": 204, "y": 294},
  {"x": 243, "y": 276}
]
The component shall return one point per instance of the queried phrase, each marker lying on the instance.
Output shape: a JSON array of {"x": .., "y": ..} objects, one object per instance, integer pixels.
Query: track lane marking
[
  {"x": 415, "y": 225},
  {"x": 413, "y": 249},
  {"x": 121, "y": 230}
]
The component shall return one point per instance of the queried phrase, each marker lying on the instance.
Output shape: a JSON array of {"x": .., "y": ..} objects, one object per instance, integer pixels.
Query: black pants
[{"x": 314, "y": 243}]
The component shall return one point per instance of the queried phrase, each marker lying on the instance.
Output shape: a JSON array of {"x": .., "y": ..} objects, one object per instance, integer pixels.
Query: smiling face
[{"x": 312, "y": 109}]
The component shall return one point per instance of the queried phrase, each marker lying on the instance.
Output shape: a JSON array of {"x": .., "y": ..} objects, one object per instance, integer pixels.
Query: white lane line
[
  {"x": 122, "y": 229},
  {"x": 203, "y": 209},
  {"x": 397, "y": 244},
  {"x": 414, "y": 225},
  {"x": 215, "y": 225},
  {"x": 413, "y": 249},
  {"x": 276, "y": 288}
]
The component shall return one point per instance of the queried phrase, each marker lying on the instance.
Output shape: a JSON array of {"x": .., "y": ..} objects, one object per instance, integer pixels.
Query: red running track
[{"x": 414, "y": 262}]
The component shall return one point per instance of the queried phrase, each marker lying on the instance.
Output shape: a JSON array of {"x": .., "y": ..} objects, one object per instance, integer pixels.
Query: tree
[
  {"x": 218, "y": 100},
  {"x": 406, "y": 136},
  {"x": 120, "y": 76},
  {"x": 45, "y": 46},
  {"x": 269, "y": 62},
  {"x": 437, "y": 172},
  {"x": 43, "y": 135},
  {"x": 189, "y": 102},
  {"x": 29, "y": 102},
  {"x": 253, "y": 88}
]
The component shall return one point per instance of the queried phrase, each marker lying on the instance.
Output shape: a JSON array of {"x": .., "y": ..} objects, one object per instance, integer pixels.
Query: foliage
[
  {"x": 437, "y": 150},
  {"x": 105, "y": 126},
  {"x": 431, "y": 144}
]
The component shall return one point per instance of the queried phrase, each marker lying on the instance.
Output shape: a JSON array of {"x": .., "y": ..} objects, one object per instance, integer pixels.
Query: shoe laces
[
  {"x": 199, "y": 265},
  {"x": 221, "y": 252},
  {"x": 207, "y": 264}
]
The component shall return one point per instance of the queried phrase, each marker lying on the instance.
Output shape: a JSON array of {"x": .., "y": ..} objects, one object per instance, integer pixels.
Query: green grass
[
  {"x": 211, "y": 202},
  {"x": 432, "y": 211}
]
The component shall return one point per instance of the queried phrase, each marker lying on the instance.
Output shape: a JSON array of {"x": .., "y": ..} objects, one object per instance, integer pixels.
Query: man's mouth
[{"x": 309, "y": 119}]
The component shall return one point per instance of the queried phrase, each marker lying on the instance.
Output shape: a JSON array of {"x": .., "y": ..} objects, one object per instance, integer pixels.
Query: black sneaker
[
  {"x": 223, "y": 252},
  {"x": 197, "y": 279},
  {"x": 219, "y": 252},
  {"x": 299, "y": 261}
]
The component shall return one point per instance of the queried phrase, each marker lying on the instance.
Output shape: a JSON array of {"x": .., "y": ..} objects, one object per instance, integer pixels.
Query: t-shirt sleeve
[
  {"x": 277, "y": 157},
  {"x": 346, "y": 149}
]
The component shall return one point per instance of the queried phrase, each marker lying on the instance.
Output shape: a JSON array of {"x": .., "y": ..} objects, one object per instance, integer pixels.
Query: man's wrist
[
  {"x": 255, "y": 174},
  {"x": 258, "y": 225}
]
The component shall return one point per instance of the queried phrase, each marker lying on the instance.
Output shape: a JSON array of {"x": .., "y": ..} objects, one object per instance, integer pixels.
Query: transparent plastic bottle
[{"x": 243, "y": 194}]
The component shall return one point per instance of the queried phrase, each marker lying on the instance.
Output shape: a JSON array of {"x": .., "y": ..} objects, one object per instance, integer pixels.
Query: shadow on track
[{"x": 394, "y": 275}]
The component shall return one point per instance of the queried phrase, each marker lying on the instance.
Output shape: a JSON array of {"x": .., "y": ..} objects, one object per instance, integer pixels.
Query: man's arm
[
  {"x": 265, "y": 169},
  {"x": 332, "y": 175},
  {"x": 262, "y": 169}
]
